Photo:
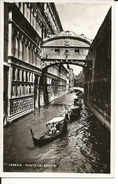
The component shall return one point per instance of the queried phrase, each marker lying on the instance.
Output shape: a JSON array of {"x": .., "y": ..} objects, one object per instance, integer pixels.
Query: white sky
[{"x": 82, "y": 18}]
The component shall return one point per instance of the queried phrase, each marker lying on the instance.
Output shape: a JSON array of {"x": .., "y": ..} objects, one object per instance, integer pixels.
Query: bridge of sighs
[{"x": 66, "y": 48}]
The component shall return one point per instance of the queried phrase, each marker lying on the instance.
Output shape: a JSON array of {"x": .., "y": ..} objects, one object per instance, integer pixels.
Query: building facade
[
  {"x": 25, "y": 27},
  {"x": 71, "y": 78},
  {"x": 97, "y": 87},
  {"x": 56, "y": 83},
  {"x": 37, "y": 54},
  {"x": 79, "y": 80}
]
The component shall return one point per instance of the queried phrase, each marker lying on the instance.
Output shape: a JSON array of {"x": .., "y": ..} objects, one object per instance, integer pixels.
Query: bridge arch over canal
[{"x": 64, "y": 49}]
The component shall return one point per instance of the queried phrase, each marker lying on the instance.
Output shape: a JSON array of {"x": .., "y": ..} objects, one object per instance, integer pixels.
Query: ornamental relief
[{"x": 67, "y": 43}]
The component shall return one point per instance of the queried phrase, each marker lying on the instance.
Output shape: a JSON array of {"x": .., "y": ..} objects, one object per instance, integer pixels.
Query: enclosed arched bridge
[{"x": 66, "y": 48}]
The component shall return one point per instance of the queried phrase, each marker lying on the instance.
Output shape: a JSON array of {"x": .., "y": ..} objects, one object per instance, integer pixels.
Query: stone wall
[{"x": 97, "y": 86}]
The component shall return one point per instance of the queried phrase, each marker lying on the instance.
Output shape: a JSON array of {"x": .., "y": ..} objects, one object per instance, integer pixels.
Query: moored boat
[
  {"x": 56, "y": 128},
  {"x": 75, "y": 112}
]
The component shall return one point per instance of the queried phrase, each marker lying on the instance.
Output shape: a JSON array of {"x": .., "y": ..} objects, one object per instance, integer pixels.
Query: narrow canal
[{"x": 84, "y": 149}]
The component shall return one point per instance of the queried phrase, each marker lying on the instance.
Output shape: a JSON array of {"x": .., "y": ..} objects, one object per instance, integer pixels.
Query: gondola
[
  {"x": 75, "y": 112},
  {"x": 60, "y": 125}
]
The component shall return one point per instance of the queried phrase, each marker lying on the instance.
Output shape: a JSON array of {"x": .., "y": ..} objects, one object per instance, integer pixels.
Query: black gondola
[
  {"x": 75, "y": 112},
  {"x": 47, "y": 137}
]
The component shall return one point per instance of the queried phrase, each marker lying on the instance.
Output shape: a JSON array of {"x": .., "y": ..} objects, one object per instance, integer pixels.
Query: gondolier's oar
[{"x": 31, "y": 133}]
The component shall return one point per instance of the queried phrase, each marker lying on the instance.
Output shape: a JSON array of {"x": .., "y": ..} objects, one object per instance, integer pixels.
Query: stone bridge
[{"x": 66, "y": 48}]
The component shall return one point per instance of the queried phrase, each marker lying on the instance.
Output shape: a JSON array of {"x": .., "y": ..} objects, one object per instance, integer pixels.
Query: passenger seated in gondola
[
  {"x": 52, "y": 130},
  {"x": 59, "y": 127},
  {"x": 78, "y": 103}
]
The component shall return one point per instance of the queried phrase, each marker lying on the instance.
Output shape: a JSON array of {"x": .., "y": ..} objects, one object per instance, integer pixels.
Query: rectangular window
[
  {"x": 57, "y": 51},
  {"x": 76, "y": 51}
]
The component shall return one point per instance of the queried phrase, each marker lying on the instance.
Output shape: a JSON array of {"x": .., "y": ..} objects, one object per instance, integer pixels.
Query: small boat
[
  {"x": 75, "y": 112},
  {"x": 56, "y": 128}
]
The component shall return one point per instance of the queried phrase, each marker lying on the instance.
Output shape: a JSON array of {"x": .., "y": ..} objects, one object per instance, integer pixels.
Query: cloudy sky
[{"x": 82, "y": 18}]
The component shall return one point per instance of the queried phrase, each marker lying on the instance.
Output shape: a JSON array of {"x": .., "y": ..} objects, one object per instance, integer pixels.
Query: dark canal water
[{"x": 84, "y": 149}]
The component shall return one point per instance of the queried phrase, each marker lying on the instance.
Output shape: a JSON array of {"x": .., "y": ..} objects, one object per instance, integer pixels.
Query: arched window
[
  {"x": 23, "y": 89},
  {"x": 16, "y": 47},
  {"x": 18, "y": 75},
  {"x": 19, "y": 90},
  {"x": 26, "y": 77},
  {"x": 22, "y": 48},
  {"x": 29, "y": 77},
  {"x": 22, "y": 75},
  {"x": 14, "y": 90},
  {"x": 28, "y": 55},
  {"x": 13, "y": 76},
  {"x": 29, "y": 89},
  {"x": 25, "y": 51}
]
